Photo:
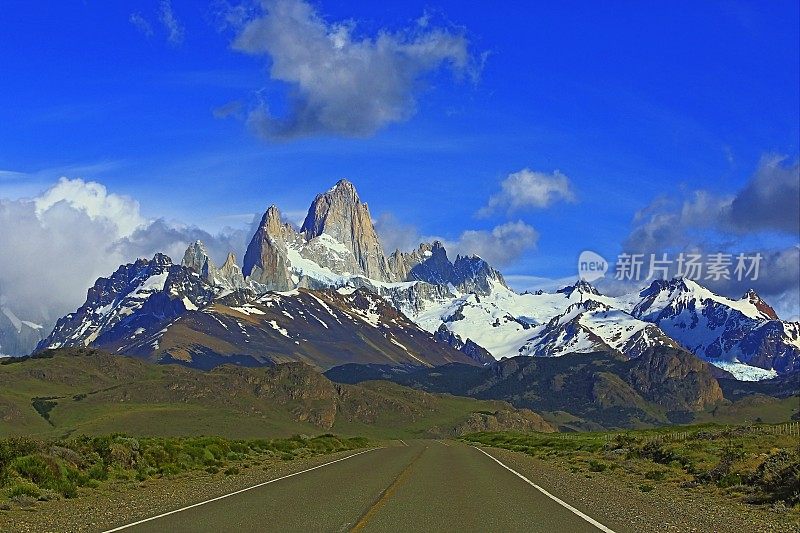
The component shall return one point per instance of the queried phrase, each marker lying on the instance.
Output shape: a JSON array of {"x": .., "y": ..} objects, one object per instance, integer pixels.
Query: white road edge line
[
  {"x": 162, "y": 515},
  {"x": 554, "y": 498}
]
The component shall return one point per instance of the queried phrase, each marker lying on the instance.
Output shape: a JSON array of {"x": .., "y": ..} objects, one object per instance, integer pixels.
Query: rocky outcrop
[
  {"x": 469, "y": 348},
  {"x": 228, "y": 276},
  {"x": 136, "y": 299},
  {"x": 340, "y": 215},
  {"x": 675, "y": 379},
  {"x": 265, "y": 261},
  {"x": 505, "y": 420}
]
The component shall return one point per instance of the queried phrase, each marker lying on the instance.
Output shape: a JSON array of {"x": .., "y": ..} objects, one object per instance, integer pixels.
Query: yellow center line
[{"x": 386, "y": 494}]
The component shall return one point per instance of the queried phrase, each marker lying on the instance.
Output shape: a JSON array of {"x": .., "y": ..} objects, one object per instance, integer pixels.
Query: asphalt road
[{"x": 423, "y": 486}]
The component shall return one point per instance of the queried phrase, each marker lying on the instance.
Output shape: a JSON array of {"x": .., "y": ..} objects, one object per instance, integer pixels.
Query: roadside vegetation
[
  {"x": 34, "y": 470},
  {"x": 758, "y": 465}
]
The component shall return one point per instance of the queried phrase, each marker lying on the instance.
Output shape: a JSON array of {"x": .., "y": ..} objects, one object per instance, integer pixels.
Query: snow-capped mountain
[
  {"x": 732, "y": 332},
  {"x": 17, "y": 336},
  {"x": 463, "y": 304},
  {"x": 574, "y": 319},
  {"x": 173, "y": 314},
  {"x": 137, "y": 297}
]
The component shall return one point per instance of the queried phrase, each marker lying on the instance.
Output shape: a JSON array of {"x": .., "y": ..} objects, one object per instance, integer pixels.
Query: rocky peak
[
  {"x": 763, "y": 307},
  {"x": 229, "y": 275},
  {"x": 161, "y": 260},
  {"x": 196, "y": 258},
  {"x": 340, "y": 214},
  {"x": 583, "y": 287},
  {"x": 433, "y": 265},
  {"x": 139, "y": 296},
  {"x": 335, "y": 212},
  {"x": 265, "y": 261},
  {"x": 473, "y": 274}
]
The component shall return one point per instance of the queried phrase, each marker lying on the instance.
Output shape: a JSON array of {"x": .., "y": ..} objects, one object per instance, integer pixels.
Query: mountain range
[{"x": 327, "y": 294}]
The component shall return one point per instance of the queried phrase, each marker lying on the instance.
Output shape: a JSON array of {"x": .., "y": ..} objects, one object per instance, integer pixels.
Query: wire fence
[{"x": 788, "y": 428}]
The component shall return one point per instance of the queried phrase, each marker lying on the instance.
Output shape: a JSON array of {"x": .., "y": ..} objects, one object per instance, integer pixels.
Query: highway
[{"x": 424, "y": 485}]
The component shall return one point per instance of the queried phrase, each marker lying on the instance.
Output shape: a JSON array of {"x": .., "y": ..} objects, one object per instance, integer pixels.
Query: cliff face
[
  {"x": 675, "y": 379},
  {"x": 340, "y": 215},
  {"x": 265, "y": 261}
]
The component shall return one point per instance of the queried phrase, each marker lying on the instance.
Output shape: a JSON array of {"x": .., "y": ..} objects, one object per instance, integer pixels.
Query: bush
[
  {"x": 22, "y": 488},
  {"x": 31, "y": 469},
  {"x": 655, "y": 475},
  {"x": 778, "y": 477},
  {"x": 657, "y": 452},
  {"x": 597, "y": 466}
]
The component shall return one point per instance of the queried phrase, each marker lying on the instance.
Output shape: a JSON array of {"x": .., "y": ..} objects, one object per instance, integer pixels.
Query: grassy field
[
  {"x": 39, "y": 470},
  {"x": 755, "y": 464},
  {"x": 82, "y": 391}
]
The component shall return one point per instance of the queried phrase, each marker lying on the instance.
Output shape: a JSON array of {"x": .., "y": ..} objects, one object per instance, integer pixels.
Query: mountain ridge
[{"x": 464, "y": 304}]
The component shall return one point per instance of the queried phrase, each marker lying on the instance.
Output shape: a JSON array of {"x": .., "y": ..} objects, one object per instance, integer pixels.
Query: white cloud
[
  {"x": 95, "y": 201},
  {"x": 499, "y": 246},
  {"x": 57, "y": 244},
  {"x": 141, "y": 24},
  {"x": 175, "y": 30},
  {"x": 529, "y": 189},
  {"x": 339, "y": 82}
]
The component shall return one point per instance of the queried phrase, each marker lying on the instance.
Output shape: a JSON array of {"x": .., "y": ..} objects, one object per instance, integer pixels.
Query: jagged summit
[
  {"x": 265, "y": 261},
  {"x": 764, "y": 308},
  {"x": 340, "y": 214},
  {"x": 464, "y": 302},
  {"x": 581, "y": 286}
]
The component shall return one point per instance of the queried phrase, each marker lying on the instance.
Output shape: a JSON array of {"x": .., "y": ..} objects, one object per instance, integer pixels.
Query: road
[{"x": 415, "y": 486}]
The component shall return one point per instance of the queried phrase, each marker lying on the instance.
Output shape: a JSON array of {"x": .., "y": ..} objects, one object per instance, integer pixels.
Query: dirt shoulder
[
  {"x": 618, "y": 501},
  {"x": 120, "y": 502}
]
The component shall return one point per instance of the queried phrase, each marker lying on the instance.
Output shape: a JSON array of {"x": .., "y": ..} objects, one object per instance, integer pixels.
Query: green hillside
[{"x": 84, "y": 391}]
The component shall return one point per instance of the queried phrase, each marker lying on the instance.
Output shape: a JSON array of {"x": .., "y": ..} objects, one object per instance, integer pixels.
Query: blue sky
[{"x": 632, "y": 102}]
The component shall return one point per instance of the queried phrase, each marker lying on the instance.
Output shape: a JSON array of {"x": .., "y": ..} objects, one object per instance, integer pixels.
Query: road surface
[{"x": 415, "y": 486}]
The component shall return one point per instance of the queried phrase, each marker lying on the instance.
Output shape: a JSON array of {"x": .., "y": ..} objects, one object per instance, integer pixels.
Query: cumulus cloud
[
  {"x": 499, "y": 246},
  {"x": 175, "y": 30},
  {"x": 768, "y": 205},
  {"x": 95, "y": 201},
  {"x": 57, "y": 244},
  {"x": 528, "y": 189},
  {"x": 769, "y": 202},
  {"x": 340, "y": 82}
]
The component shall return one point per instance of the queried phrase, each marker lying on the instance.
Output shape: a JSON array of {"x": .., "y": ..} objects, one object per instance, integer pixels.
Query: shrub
[
  {"x": 23, "y": 488},
  {"x": 597, "y": 466},
  {"x": 657, "y": 452},
  {"x": 778, "y": 477},
  {"x": 655, "y": 475}
]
